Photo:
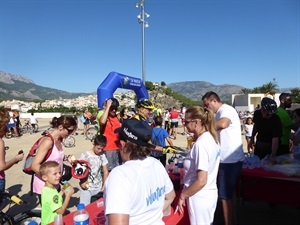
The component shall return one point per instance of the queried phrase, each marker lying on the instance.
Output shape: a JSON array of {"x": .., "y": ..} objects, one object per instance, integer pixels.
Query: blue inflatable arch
[{"x": 116, "y": 80}]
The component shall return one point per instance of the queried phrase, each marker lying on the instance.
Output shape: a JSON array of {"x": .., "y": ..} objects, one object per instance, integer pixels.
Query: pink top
[{"x": 57, "y": 156}]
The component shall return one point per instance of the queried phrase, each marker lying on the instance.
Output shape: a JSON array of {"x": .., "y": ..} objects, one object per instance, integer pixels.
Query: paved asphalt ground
[{"x": 17, "y": 182}]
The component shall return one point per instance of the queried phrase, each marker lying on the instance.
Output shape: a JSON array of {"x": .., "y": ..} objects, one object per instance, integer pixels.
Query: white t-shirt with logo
[{"x": 138, "y": 188}]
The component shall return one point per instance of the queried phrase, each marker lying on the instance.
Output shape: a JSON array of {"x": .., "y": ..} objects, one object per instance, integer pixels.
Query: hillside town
[{"x": 125, "y": 99}]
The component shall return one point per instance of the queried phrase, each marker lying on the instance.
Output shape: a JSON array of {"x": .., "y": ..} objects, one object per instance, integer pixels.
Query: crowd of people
[{"x": 128, "y": 157}]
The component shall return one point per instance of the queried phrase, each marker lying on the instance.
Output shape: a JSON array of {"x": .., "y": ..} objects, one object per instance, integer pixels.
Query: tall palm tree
[{"x": 270, "y": 87}]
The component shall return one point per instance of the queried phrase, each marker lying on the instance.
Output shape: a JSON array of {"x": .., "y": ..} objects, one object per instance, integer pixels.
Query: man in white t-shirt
[
  {"x": 139, "y": 190},
  {"x": 232, "y": 154},
  {"x": 33, "y": 122}
]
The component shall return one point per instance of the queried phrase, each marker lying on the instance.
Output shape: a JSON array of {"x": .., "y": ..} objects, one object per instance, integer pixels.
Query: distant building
[{"x": 248, "y": 102}]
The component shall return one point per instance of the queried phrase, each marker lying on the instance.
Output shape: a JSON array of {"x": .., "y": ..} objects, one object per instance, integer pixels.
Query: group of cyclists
[{"x": 14, "y": 125}]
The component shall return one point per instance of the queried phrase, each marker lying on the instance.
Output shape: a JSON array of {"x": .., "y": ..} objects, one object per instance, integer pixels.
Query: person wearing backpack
[
  {"x": 62, "y": 127},
  {"x": 158, "y": 138},
  {"x": 5, "y": 165}
]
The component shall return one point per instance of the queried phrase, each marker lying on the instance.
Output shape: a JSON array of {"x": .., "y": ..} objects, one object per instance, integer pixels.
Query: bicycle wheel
[
  {"x": 25, "y": 129},
  {"x": 91, "y": 133},
  {"x": 69, "y": 142},
  {"x": 36, "y": 129},
  {"x": 25, "y": 217}
]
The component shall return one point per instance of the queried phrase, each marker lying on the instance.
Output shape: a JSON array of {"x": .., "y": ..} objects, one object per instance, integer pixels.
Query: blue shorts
[
  {"x": 11, "y": 125},
  {"x": 227, "y": 178}
]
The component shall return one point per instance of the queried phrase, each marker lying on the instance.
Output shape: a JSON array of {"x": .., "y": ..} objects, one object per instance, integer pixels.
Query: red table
[
  {"x": 273, "y": 187},
  {"x": 96, "y": 209}
]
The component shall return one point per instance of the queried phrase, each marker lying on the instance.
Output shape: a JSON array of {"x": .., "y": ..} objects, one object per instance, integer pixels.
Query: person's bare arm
[
  {"x": 169, "y": 198},
  {"x": 196, "y": 186},
  {"x": 169, "y": 141},
  {"x": 65, "y": 204},
  {"x": 105, "y": 175},
  {"x": 252, "y": 140},
  {"x": 44, "y": 146},
  {"x": 103, "y": 118},
  {"x": 222, "y": 123},
  {"x": 5, "y": 165},
  {"x": 275, "y": 145},
  {"x": 120, "y": 219}
]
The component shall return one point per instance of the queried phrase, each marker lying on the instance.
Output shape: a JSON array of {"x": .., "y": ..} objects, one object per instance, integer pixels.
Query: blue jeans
[
  {"x": 227, "y": 178},
  {"x": 2, "y": 188}
]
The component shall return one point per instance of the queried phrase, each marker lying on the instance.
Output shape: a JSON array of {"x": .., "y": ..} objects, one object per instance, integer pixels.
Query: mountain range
[{"x": 22, "y": 88}]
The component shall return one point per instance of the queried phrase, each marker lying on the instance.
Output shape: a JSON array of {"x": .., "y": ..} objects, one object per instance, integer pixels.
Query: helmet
[
  {"x": 80, "y": 169},
  {"x": 145, "y": 103},
  {"x": 66, "y": 174},
  {"x": 269, "y": 105},
  {"x": 115, "y": 103}
]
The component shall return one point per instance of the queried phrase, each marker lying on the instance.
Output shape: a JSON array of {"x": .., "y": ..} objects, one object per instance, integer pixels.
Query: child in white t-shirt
[
  {"x": 93, "y": 184},
  {"x": 248, "y": 129}
]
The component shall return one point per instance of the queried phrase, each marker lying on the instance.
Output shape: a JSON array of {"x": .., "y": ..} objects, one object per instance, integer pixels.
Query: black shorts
[{"x": 174, "y": 124}]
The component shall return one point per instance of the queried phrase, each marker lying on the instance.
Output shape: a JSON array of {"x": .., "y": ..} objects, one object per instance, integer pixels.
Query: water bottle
[
  {"x": 32, "y": 223},
  {"x": 180, "y": 162},
  {"x": 257, "y": 161},
  {"x": 81, "y": 216},
  {"x": 245, "y": 163},
  {"x": 66, "y": 185},
  {"x": 175, "y": 161},
  {"x": 251, "y": 162},
  {"x": 58, "y": 220}
]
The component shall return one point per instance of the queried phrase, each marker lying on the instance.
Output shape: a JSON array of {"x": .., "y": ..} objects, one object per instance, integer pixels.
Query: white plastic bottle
[
  {"x": 180, "y": 162},
  {"x": 81, "y": 216}
]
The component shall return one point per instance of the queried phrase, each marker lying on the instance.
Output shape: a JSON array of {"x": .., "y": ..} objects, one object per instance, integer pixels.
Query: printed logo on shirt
[
  {"x": 55, "y": 199},
  {"x": 155, "y": 196}
]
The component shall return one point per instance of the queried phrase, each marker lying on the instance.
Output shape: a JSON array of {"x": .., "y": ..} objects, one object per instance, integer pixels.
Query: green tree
[
  {"x": 163, "y": 84},
  {"x": 296, "y": 95},
  {"x": 149, "y": 86},
  {"x": 246, "y": 91},
  {"x": 270, "y": 87}
]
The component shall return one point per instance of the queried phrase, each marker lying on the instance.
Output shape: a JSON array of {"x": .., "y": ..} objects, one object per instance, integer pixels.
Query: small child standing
[
  {"x": 94, "y": 183},
  {"x": 248, "y": 130},
  {"x": 52, "y": 200},
  {"x": 159, "y": 137}
]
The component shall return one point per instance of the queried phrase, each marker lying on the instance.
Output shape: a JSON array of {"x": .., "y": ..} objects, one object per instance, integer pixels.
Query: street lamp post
[{"x": 141, "y": 19}]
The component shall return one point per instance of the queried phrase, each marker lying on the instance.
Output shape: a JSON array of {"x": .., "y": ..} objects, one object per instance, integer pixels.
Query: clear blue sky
[{"x": 72, "y": 45}]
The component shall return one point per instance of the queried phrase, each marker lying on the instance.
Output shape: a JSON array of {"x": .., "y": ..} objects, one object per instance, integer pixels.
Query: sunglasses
[
  {"x": 186, "y": 122},
  {"x": 70, "y": 131}
]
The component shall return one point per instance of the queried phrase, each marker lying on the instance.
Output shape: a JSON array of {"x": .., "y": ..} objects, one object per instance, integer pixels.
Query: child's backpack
[{"x": 32, "y": 153}]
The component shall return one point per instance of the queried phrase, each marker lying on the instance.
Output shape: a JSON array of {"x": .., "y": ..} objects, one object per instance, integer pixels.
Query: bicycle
[
  {"x": 27, "y": 128},
  {"x": 69, "y": 141},
  {"x": 92, "y": 132},
  {"x": 22, "y": 218}
]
